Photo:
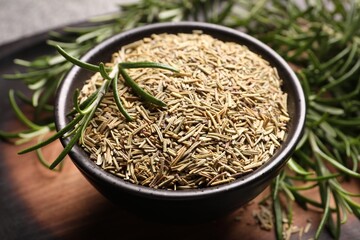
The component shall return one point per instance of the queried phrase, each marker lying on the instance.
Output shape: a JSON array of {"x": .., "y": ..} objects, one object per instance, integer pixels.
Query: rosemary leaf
[
  {"x": 66, "y": 150},
  {"x": 277, "y": 209},
  {"x": 297, "y": 168},
  {"x": 53, "y": 137},
  {"x": 326, "y": 214},
  {"x": 20, "y": 115},
  {"x": 76, "y": 61},
  {"x": 125, "y": 65},
  {"x": 139, "y": 91},
  {"x": 118, "y": 100}
]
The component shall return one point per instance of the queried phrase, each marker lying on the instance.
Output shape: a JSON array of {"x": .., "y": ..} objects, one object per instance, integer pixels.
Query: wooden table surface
[{"x": 36, "y": 203}]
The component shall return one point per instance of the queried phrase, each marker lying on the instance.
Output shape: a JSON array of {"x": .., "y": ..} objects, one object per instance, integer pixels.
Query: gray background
[{"x": 21, "y": 18}]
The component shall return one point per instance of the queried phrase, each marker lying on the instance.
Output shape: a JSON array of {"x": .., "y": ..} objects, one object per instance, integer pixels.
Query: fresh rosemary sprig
[
  {"x": 323, "y": 45},
  {"x": 321, "y": 39},
  {"x": 85, "y": 111}
]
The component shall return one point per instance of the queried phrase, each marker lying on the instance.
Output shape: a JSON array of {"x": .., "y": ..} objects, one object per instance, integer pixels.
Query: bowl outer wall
[{"x": 231, "y": 195}]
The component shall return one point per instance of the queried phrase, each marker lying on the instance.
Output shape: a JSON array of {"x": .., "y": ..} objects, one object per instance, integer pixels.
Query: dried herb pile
[
  {"x": 319, "y": 38},
  {"x": 225, "y": 114}
]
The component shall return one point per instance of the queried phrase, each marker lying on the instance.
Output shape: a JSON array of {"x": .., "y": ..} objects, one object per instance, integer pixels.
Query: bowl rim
[{"x": 255, "y": 178}]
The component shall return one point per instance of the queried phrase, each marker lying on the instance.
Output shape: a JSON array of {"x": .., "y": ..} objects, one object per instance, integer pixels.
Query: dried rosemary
[{"x": 225, "y": 114}]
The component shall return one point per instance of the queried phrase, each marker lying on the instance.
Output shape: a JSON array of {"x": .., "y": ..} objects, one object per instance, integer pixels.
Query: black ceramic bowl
[{"x": 194, "y": 205}]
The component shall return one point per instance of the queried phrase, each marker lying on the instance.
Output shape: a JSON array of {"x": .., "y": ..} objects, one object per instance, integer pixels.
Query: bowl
[{"x": 183, "y": 205}]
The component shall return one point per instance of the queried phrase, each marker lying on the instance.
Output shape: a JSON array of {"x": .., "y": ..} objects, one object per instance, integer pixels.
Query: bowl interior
[{"x": 102, "y": 53}]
